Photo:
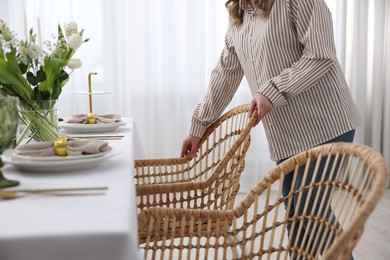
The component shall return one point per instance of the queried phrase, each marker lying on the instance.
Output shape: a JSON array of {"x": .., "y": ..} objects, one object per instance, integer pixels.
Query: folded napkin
[
  {"x": 74, "y": 147},
  {"x": 82, "y": 119}
]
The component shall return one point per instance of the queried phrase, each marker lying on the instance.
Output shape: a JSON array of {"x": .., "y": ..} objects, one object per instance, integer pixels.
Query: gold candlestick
[{"x": 91, "y": 118}]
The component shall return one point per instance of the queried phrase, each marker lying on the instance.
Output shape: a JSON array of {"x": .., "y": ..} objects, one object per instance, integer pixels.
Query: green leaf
[
  {"x": 62, "y": 83},
  {"x": 1, "y": 54},
  {"x": 23, "y": 68},
  {"x": 11, "y": 60},
  {"x": 15, "y": 82},
  {"x": 7, "y": 89},
  {"x": 41, "y": 75},
  {"x": 63, "y": 76},
  {"x": 60, "y": 34},
  {"x": 37, "y": 94},
  {"x": 32, "y": 79},
  {"x": 53, "y": 67},
  {"x": 56, "y": 92},
  {"x": 40, "y": 97}
]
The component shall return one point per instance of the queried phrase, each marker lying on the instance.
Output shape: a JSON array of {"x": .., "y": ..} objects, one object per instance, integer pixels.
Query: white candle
[
  {"x": 39, "y": 32},
  {"x": 25, "y": 26}
]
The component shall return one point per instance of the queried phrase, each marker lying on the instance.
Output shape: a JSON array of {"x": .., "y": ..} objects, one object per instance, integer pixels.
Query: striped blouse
[{"x": 290, "y": 58}]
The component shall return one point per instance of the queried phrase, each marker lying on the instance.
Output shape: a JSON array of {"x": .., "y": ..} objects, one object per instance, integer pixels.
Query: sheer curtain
[
  {"x": 154, "y": 57},
  {"x": 363, "y": 43}
]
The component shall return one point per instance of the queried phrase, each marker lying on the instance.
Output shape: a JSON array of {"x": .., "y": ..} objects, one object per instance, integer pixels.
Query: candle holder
[{"x": 91, "y": 117}]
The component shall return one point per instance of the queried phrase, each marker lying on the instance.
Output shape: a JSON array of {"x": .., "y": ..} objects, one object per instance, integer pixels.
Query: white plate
[
  {"x": 57, "y": 158},
  {"x": 54, "y": 166},
  {"x": 90, "y": 128}
]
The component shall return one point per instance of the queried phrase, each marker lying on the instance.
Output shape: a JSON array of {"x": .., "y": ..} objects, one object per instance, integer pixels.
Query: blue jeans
[{"x": 312, "y": 209}]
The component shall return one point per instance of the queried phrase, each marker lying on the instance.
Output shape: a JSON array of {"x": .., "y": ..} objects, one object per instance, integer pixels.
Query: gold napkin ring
[
  {"x": 60, "y": 146},
  {"x": 91, "y": 118}
]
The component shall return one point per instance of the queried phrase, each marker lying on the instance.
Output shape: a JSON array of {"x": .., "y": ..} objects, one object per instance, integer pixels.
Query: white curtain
[
  {"x": 154, "y": 57},
  {"x": 363, "y": 42}
]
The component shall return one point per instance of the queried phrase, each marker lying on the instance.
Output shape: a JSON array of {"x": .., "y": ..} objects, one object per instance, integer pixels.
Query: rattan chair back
[
  {"x": 331, "y": 219},
  {"x": 210, "y": 180}
]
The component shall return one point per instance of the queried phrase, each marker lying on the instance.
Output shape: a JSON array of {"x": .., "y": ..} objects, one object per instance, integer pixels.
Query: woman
[{"x": 285, "y": 49}]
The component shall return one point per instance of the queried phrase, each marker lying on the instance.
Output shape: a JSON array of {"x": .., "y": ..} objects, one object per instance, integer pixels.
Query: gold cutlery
[
  {"x": 84, "y": 191},
  {"x": 62, "y": 189},
  {"x": 99, "y": 137}
]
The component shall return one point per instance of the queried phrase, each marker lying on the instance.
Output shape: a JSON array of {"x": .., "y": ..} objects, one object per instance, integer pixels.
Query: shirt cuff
[
  {"x": 197, "y": 128},
  {"x": 271, "y": 92}
]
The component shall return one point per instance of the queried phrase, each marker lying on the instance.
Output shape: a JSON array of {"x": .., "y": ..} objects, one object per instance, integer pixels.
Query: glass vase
[{"x": 39, "y": 123}]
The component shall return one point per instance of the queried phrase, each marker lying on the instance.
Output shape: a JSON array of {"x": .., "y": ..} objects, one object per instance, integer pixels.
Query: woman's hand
[
  {"x": 190, "y": 144},
  {"x": 261, "y": 104}
]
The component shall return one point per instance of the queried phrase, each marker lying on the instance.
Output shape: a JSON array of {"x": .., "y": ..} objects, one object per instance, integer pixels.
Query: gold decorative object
[
  {"x": 91, "y": 117},
  {"x": 60, "y": 146}
]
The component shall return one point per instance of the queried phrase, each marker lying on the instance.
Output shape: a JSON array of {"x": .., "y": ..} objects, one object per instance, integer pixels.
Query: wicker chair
[
  {"x": 257, "y": 226},
  {"x": 210, "y": 180}
]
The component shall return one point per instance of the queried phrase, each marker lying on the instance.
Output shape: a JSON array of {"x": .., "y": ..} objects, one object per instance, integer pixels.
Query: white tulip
[
  {"x": 7, "y": 34},
  {"x": 75, "y": 41},
  {"x": 23, "y": 54},
  {"x": 70, "y": 29},
  {"x": 74, "y": 64},
  {"x": 34, "y": 51}
]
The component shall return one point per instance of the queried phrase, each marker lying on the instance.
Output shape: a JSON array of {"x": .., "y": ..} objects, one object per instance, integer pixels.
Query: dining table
[{"x": 101, "y": 226}]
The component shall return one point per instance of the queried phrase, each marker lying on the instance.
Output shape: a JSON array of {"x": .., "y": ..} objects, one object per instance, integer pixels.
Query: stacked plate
[
  {"x": 54, "y": 164},
  {"x": 90, "y": 128}
]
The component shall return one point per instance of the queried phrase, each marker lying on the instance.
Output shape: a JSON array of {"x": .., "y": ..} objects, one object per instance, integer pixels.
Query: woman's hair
[{"x": 233, "y": 6}]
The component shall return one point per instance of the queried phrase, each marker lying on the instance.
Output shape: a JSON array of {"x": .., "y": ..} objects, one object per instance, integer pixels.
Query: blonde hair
[{"x": 236, "y": 15}]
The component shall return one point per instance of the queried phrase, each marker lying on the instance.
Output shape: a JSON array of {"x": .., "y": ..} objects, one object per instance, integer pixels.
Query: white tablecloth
[{"x": 82, "y": 228}]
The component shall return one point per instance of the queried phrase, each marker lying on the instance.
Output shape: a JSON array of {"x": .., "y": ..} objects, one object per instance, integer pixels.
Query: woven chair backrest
[
  {"x": 210, "y": 180},
  {"x": 333, "y": 205},
  {"x": 342, "y": 183}
]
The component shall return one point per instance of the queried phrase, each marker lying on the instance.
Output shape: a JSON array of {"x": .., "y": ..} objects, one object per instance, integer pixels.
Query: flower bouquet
[{"x": 36, "y": 77}]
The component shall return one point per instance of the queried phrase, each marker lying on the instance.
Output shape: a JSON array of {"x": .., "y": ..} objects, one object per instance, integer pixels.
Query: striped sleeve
[
  {"x": 224, "y": 81},
  {"x": 313, "y": 23}
]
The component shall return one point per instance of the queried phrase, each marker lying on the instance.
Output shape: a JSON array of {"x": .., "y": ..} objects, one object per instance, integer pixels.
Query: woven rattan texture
[
  {"x": 256, "y": 228},
  {"x": 210, "y": 180}
]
